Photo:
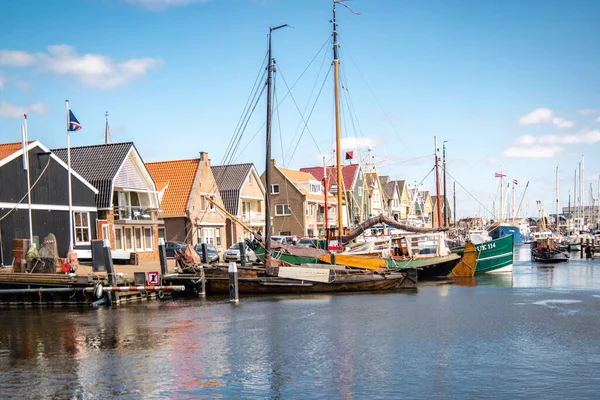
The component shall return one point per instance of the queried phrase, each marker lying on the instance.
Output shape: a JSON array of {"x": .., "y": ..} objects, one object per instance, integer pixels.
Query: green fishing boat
[{"x": 493, "y": 256}]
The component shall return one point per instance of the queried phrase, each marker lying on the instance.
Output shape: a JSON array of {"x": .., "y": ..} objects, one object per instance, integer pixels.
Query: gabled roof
[
  {"x": 300, "y": 176},
  {"x": 230, "y": 180},
  {"x": 99, "y": 165},
  {"x": 401, "y": 186},
  {"x": 10, "y": 151},
  {"x": 388, "y": 187},
  {"x": 6, "y": 149},
  {"x": 348, "y": 174},
  {"x": 177, "y": 176}
]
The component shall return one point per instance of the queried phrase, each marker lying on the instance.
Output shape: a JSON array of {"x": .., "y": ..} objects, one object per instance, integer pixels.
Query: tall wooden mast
[
  {"x": 270, "y": 69},
  {"x": 338, "y": 144},
  {"x": 437, "y": 183}
]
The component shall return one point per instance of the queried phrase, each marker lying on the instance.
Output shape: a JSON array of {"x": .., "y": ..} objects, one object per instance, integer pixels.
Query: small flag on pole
[
  {"x": 500, "y": 175},
  {"x": 516, "y": 182},
  {"x": 349, "y": 155},
  {"x": 74, "y": 125}
]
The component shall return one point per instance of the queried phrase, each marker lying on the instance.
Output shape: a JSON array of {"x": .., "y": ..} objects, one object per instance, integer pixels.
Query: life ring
[{"x": 160, "y": 294}]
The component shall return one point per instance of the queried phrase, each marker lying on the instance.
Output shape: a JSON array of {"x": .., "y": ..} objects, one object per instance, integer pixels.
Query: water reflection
[{"x": 432, "y": 343}]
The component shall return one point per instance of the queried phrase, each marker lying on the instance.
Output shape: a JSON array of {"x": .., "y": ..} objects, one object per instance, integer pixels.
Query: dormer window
[{"x": 275, "y": 189}]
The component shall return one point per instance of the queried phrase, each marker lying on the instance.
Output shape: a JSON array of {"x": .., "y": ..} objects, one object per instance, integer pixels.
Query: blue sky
[{"x": 505, "y": 83}]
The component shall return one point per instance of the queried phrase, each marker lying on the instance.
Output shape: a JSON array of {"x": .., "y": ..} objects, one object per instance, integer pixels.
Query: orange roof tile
[
  {"x": 6, "y": 149},
  {"x": 179, "y": 176}
]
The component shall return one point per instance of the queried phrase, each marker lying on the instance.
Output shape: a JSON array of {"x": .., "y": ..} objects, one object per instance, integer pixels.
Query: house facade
[
  {"x": 352, "y": 177},
  {"x": 184, "y": 186},
  {"x": 127, "y": 199},
  {"x": 243, "y": 197},
  {"x": 298, "y": 203},
  {"x": 48, "y": 177},
  {"x": 375, "y": 202},
  {"x": 391, "y": 197}
]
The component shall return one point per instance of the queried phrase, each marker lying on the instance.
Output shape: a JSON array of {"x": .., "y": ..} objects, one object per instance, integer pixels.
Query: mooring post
[
  {"x": 110, "y": 269},
  {"x": 234, "y": 296},
  {"x": 204, "y": 253},
  {"x": 333, "y": 259},
  {"x": 162, "y": 253},
  {"x": 581, "y": 247},
  {"x": 243, "y": 254},
  {"x": 202, "y": 292}
]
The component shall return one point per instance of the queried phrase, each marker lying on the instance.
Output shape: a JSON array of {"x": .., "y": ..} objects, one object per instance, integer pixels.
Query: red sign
[{"x": 153, "y": 278}]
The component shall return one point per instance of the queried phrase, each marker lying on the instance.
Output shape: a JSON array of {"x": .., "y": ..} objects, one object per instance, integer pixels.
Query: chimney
[
  {"x": 272, "y": 162},
  {"x": 203, "y": 156}
]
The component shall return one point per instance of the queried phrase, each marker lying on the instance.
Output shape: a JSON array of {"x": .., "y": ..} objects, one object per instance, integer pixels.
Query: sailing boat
[
  {"x": 281, "y": 277},
  {"x": 422, "y": 261}
]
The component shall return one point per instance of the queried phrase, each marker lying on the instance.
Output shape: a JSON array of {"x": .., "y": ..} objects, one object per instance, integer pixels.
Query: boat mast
[
  {"x": 326, "y": 206},
  {"x": 454, "y": 211},
  {"x": 338, "y": 145},
  {"x": 557, "y": 220},
  {"x": 445, "y": 194},
  {"x": 270, "y": 69},
  {"x": 437, "y": 183},
  {"x": 582, "y": 188},
  {"x": 501, "y": 194}
]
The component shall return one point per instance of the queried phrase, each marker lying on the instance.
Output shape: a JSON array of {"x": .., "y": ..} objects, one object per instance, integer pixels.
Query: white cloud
[
  {"x": 89, "y": 69},
  {"x": 350, "y": 143},
  {"x": 598, "y": 119},
  {"x": 547, "y": 146},
  {"x": 533, "y": 152},
  {"x": 588, "y": 111},
  {"x": 160, "y": 4},
  {"x": 545, "y": 116},
  {"x": 8, "y": 110}
]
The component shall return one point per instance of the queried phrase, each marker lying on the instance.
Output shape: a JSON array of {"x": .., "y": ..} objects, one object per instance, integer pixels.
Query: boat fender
[
  {"x": 143, "y": 293},
  {"x": 160, "y": 294},
  {"x": 98, "y": 290}
]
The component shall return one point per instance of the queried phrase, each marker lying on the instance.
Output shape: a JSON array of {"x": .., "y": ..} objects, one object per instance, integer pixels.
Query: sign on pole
[{"x": 152, "y": 278}]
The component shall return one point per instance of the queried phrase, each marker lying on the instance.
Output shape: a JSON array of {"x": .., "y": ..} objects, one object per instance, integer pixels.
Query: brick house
[
  {"x": 243, "y": 196},
  {"x": 127, "y": 199},
  {"x": 183, "y": 188},
  {"x": 352, "y": 177},
  {"x": 298, "y": 203}
]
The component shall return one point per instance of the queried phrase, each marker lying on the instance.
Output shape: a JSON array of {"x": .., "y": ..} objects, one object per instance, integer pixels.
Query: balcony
[
  {"x": 331, "y": 219},
  {"x": 253, "y": 217},
  {"x": 128, "y": 213}
]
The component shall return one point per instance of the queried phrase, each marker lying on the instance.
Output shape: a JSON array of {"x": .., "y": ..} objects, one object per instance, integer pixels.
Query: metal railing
[
  {"x": 131, "y": 212},
  {"x": 253, "y": 217}
]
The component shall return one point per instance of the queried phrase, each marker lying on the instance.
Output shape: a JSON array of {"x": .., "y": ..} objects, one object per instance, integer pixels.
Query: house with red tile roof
[
  {"x": 243, "y": 196},
  {"x": 298, "y": 203},
  {"x": 353, "y": 183},
  {"x": 184, "y": 186}
]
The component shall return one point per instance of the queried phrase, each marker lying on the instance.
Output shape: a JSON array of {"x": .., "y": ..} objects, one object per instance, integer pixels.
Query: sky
[{"x": 508, "y": 85}]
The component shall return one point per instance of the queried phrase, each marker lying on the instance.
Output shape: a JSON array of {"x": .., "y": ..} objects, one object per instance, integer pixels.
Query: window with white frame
[
  {"x": 275, "y": 189},
  {"x": 315, "y": 188},
  {"x": 119, "y": 239},
  {"x": 148, "y": 239},
  {"x": 283, "y": 209},
  {"x": 81, "y": 221},
  {"x": 139, "y": 246},
  {"x": 128, "y": 236},
  {"x": 218, "y": 235},
  {"x": 209, "y": 235},
  {"x": 360, "y": 191},
  {"x": 207, "y": 204}
]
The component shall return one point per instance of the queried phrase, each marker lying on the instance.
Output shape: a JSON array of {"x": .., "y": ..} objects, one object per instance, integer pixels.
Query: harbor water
[{"x": 534, "y": 333}]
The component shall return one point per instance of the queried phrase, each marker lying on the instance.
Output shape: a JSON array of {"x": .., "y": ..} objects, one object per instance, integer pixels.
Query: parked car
[
  {"x": 284, "y": 239},
  {"x": 171, "y": 247},
  {"x": 307, "y": 242},
  {"x": 233, "y": 253},
  {"x": 212, "y": 252}
]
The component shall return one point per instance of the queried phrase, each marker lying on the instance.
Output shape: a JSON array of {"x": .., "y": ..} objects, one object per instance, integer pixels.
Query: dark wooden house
[{"x": 49, "y": 200}]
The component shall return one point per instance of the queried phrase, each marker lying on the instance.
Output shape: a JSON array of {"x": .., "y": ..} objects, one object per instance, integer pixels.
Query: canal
[{"x": 530, "y": 334}]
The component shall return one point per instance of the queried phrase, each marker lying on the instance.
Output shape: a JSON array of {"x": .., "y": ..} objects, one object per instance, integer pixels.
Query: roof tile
[{"x": 178, "y": 178}]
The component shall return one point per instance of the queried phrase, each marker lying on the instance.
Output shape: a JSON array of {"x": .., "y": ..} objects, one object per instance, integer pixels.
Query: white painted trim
[
  {"x": 48, "y": 207},
  {"x": 251, "y": 198},
  {"x": 89, "y": 228},
  {"x": 36, "y": 143},
  {"x": 211, "y": 224}
]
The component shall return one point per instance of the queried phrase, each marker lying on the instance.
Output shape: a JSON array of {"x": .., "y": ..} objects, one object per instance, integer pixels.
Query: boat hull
[
  {"x": 427, "y": 268},
  {"x": 275, "y": 285},
  {"x": 494, "y": 256}
]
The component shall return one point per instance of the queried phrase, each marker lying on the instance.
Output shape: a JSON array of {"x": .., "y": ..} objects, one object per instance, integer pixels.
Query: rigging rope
[{"x": 469, "y": 193}]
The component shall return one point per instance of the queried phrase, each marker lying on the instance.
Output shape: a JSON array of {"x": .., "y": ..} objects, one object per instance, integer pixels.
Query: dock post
[
  {"x": 243, "y": 253},
  {"x": 581, "y": 247},
  {"x": 202, "y": 293},
  {"x": 110, "y": 269},
  {"x": 204, "y": 253},
  {"x": 234, "y": 296},
  {"x": 333, "y": 259},
  {"x": 162, "y": 253}
]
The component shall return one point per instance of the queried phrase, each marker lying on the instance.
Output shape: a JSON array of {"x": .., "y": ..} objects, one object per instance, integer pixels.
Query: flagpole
[
  {"x": 26, "y": 167},
  {"x": 69, "y": 179}
]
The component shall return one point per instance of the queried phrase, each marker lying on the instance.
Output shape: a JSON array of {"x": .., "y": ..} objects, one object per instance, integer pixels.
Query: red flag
[
  {"x": 500, "y": 175},
  {"x": 349, "y": 155}
]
